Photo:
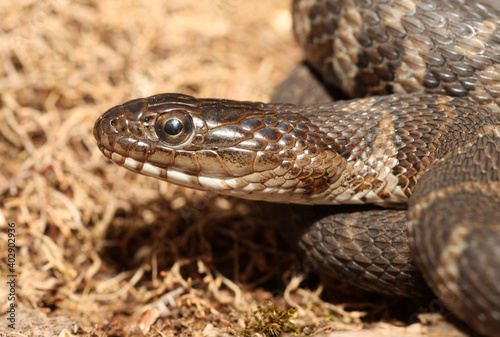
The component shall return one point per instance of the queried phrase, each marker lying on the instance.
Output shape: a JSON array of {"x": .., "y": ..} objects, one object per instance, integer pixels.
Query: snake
[{"x": 419, "y": 138}]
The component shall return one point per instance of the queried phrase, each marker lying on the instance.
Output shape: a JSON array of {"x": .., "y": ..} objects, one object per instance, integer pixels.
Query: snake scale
[{"x": 425, "y": 133}]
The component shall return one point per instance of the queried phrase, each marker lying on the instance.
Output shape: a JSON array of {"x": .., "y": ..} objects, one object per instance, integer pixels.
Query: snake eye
[{"x": 174, "y": 127}]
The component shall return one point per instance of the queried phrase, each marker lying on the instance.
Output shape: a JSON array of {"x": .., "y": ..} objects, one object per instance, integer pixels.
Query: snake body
[{"x": 432, "y": 142}]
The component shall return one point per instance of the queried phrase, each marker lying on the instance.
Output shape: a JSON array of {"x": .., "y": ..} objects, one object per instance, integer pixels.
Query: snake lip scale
[{"x": 426, "y": 135}]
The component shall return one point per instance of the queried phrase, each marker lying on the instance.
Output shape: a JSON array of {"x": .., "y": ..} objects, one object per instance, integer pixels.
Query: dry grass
[{"x": 98, "y": 246}]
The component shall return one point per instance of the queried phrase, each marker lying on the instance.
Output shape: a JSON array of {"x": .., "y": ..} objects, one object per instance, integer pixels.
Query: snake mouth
[
  {"x": 233, "y": 186},
  {"x": 140, "y": 147},
  {"x": 173, "y": 175},
  {"x": 111, "y": 144}
]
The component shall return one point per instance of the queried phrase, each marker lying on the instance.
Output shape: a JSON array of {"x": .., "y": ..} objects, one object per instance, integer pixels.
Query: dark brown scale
[
  {"x": 432, "y": 19},
  {"x": 462, "y": 69},
  {"x": 122, "y": 145},
  {"x": 219, "y": 136},
  {"x": 377, "y": 33},
  {"x": 389, "y": 52},
  {"x": 462, "y": 29},
  {"x": 494, "y": 91},
  {"x": 479, "y": 62},
  {"x": 287, "y": 154},
  {"x": 444, "y": 75},
  {"x": 413, "y": 25},
  {"x": 395, "y": 30},
  {"x": 268, "y": 134},
  {"x": 273, "y": 148},
  {"x": 468, "y": 83},
  {"x": 287, "y": 141},
  {"x": 251, "y": 124},
  {"x": 450, "y": 53},
  {"x": 430, "y": 81},
  {"x": 270, "y": 121},
  {"x": 441, "y": 36},
  {"x": 284, "y": 127},
  {"x": 139, "y": 151}
]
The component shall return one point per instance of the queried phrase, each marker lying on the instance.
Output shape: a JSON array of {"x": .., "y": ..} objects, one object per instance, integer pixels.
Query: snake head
[{"x": 241, "y": 148}]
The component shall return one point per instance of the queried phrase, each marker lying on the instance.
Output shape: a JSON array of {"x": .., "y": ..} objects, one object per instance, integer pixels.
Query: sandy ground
[{"x": 101, "y": 251}]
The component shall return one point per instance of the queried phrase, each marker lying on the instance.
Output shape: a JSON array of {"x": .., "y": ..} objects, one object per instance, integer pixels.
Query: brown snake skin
[{"x": 440, "y": 154}]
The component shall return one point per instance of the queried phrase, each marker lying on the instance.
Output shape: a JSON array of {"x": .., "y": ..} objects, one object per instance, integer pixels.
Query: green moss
[{"x": 270, "y": 321}]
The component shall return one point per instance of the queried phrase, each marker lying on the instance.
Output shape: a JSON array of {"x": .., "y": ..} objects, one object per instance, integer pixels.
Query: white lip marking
[
  {"x": 253, "y": 187},
  {"x": 173, "y": 175},
  {"x": 151, "y": 170},
  {"x": 181, "y": 178},
  {"x": 131, "y": 163},
  {"x": 235, "y": 183},
  {"x": 213, "y": 183},
  {"x": 271, "y": 190},
  {"x": 119, "y": 159}
]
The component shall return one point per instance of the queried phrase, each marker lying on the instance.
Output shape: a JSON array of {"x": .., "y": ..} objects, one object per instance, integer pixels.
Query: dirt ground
[{"x": 101, "y": 251}]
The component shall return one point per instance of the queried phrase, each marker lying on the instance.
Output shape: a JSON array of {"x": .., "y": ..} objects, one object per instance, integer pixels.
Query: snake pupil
[{"x": 173, "y": 127}]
